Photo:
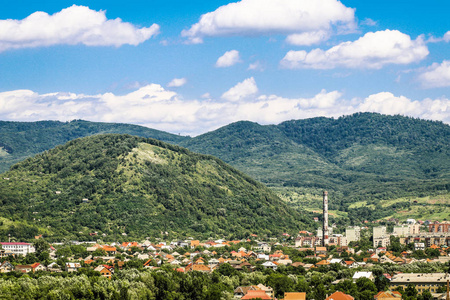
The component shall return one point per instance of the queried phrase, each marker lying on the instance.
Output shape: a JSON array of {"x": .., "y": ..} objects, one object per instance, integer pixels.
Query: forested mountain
[
  {"x": 362, "y": 158},
  {"x": 121, "y": 184},
  {"x": 19, "y": 140}
]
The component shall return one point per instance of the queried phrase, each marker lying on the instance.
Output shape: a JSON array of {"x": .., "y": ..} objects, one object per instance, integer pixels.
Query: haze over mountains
[{"x": 363, "y": 157}]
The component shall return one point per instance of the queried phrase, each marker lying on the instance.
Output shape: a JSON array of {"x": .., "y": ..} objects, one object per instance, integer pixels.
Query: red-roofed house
[
  {"x": 256, "y": 295},
  {"x": 339, "y": 296}
]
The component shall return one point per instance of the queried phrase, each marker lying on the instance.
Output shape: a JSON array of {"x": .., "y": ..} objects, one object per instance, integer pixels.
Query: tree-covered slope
[
  {"x": 137, "y": 186},
  {"x": 19, "y": 140},
  {"x": 364, "y": 156}
]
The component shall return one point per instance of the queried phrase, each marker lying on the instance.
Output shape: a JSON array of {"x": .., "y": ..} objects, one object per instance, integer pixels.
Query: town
[{"x": 394, "y": 261}]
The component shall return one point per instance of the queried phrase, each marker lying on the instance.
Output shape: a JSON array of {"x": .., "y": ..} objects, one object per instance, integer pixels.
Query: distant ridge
[{"x": 19, "y": 140}]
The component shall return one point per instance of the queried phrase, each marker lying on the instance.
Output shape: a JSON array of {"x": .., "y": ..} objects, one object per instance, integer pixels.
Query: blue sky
[{"x": 192, "y": 66}]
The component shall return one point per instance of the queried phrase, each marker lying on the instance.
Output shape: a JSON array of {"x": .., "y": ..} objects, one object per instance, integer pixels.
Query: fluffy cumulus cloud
[
  {"x": 255, "y": 17},
  {"x": 438, "y": 75},
  {"x": 372, "y": 51},
  {"x": 159, "y": 108},
  {"x": 177, "y": 82},
  {"x": 241, "y": 91},
  {"x": 71, "y": 26},
  {"x": 228, "y": 59}
]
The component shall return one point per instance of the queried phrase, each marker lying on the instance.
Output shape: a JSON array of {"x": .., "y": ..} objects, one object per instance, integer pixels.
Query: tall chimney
[{"x": 325, "y": 219}]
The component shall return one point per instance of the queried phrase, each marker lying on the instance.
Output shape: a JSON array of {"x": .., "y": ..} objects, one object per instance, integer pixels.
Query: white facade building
[{"x": 19, "y": 248}]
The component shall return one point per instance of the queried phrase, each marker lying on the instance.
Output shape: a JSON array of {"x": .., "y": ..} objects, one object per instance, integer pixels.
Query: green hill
[
  {"x": 363, "y": 157},
  {"x": 19, "y": 140},
  {"x": 137, "y": 186}
]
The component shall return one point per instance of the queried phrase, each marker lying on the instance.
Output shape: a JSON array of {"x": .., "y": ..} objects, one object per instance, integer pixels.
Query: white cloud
[
  {"x": 437, "y": 75},
  {"x": 387, "y": 103},
  {"x": 308, "y": 38},
  {"x": 447, "y": 36},
  {"x": 242, "y": 90},
  {"x": 155, "y": 107},
  {"x": 177, "y": 82},
  {"x": 369, "y": 22},
  {"x": 373, "y": 51},
  {"x": 444, "y": 38},
  {"x": 256, "y": 66},
  {"x": 71, "y": 26},
  {"x": 255, "y": 17},
  {"x": 229, "y": 59}
]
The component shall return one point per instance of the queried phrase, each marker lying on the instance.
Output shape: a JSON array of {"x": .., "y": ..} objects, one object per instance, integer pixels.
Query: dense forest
[
  {"x": 123, "y": 185},
  {"x": 363, "y": 158}
]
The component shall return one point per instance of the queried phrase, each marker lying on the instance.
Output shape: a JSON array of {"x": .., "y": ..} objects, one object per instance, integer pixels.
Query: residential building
[
  {"x": 421, "y": 281},
  {"x": 401, "y": 230},
  {"x": 353, "y": 234},
  {"x": 379, "y": 232},
  {"x": 241, "y": 291},
  {"x": 367, "y": 275},
  {"x": 256, "y": 295},
  {"x": 23, "y": 268},
  {"x": 419, "y": 246},
  {"x": 388, "y": 295},
  {"x": 339, "y": 296},
  {"x": 439, "y": 227},
  {"x": 6, "y": 267},
  {"x": 19, "y": 248},
  {"x": 294, "y": 296},
  {"x": 72, "y": 267},
  {"x": 383, "y": 241},
  {"x": 414, "y": 229}
]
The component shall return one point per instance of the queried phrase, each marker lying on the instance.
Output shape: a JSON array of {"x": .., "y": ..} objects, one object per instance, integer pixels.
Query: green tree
[{"x": 40, "y": 245}]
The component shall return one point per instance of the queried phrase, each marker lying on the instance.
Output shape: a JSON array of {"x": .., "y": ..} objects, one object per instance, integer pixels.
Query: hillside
[
  {"x": 137, "y": 186},
  {"x": 19, "y": 140},
  {"x": 363, "y": 157}
]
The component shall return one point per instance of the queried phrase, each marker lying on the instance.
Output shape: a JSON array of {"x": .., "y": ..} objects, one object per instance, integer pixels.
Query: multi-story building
[
  {"x": 383, "y": 241},
  {"x": 414, "y": 229},
  {"x": 18, "y": 248},
  {"x": 428, "y": 238},
  {"x": 439, "y": 227},
  {"x": 353, "y": 234},
  {"x": 401, "y": 230},
  {"x": 421, "y": 281},
  {"x": 379, "y": 231}
]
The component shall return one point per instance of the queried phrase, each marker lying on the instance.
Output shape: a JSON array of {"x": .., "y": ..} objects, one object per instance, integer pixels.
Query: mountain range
[{"x": 362, "y": 158}]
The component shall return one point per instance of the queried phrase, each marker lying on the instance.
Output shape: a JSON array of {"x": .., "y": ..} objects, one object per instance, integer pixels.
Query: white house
[
  {"x": 19, "y": 248},
  {"x": 358, "y": 275},
  {"x": 269, "y": 265}
]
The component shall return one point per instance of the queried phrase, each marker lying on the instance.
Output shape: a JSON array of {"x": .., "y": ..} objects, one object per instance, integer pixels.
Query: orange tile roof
[
  {"x": 339, "y": 296},
  {"x": 256, "y": 295},
  {"x": 109, "y": 248},
  {"x": 202, "y": 268},
  {"x": 294, "y": 296}
]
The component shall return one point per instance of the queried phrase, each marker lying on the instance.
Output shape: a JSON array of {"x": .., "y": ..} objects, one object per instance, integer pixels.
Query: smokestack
[{"x": 325, "y": 219}]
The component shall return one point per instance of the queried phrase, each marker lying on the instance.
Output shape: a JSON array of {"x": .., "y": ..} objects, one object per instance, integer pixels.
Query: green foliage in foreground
[
  {"x": 119, "y": 184},
  {"x": 166, "y": 283}
]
